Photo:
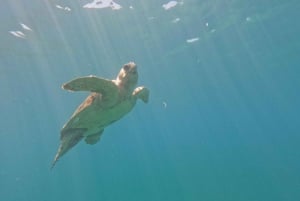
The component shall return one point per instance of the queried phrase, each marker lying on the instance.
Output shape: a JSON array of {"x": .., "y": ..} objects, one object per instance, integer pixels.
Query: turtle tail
[
  {"x": 54, "y": 161},
  {"x": 69, "y": 138}
]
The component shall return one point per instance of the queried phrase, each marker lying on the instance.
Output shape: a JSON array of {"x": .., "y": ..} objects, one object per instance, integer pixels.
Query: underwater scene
[{"x": 152, "y": 100}]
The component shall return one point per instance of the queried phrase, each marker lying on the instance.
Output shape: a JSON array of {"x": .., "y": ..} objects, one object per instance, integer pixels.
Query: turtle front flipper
[
  {"x": 142, "y": 93},
  {"x": 91, "y": 83},
  {"x": 107, "y": 88},
  {"x": 69, "y": 138},
  {"x": 94, "y": 138}
]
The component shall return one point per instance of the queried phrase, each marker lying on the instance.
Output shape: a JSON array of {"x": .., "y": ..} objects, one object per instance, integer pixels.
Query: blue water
[{"x": 222, "y": 123}]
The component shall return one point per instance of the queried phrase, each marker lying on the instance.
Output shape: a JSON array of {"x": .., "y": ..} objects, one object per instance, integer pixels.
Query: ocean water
[{"x": 222, "y": 123}]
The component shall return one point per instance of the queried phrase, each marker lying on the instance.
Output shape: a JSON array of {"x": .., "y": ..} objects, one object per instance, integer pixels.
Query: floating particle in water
[
  {"x": 164, "y": 104},
  {"x": 176, "y": 20},
  {"x": 67, "y": 9},
  {"x": 249, "y": 19},
  {"x": 212, "y": 31},
  {"x": 103, "y": 4},
  {"x": 25, "y": 27},
  {"x": 63, "y": 8},
  {"x": 59, "y": 7},
  {"x": 169, "y": 5},
  {"x": 18, "y": 34},
  {"x": 192, "y": 40}
]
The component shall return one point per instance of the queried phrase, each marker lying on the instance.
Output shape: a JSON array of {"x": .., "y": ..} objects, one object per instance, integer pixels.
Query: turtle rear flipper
[{"x": 94, "y": 138}]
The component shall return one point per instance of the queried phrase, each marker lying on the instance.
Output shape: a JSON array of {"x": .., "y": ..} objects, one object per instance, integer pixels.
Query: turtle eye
[{"x": 126, "y": 67}]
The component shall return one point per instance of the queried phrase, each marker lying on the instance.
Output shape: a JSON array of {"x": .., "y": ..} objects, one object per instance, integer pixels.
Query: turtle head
[{"x": 128, "y": 76}]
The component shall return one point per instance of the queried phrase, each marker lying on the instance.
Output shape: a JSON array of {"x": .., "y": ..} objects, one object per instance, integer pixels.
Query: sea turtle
[{"x": 108, "y": 102}]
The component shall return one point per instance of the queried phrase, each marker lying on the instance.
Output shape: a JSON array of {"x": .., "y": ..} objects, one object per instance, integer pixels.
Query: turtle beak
[{"x": 133, "y": 67}]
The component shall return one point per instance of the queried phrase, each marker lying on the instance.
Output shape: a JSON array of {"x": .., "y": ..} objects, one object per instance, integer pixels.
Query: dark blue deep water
[{"x": 222, "y": 123}]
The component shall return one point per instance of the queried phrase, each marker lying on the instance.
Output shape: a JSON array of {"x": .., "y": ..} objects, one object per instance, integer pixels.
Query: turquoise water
[{"x": 222, "y": 123}]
